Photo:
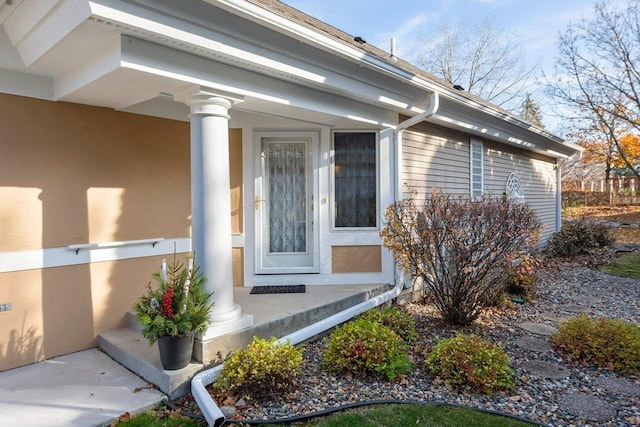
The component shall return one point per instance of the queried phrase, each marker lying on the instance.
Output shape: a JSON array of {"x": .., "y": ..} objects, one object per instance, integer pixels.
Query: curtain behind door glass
[
  {"x": 287, "y": 196},
  {"x": 355, "y": 179}
]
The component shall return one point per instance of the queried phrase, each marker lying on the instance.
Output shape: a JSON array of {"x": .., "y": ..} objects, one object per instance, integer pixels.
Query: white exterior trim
[
  {"x": 97, "y": 252},
  {"x": 65, "y": 256},
  {"x": 475, "y": 145}
]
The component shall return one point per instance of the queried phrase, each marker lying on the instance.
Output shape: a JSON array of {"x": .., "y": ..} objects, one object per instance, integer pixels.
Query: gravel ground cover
[{"x": 549, "y": 389}]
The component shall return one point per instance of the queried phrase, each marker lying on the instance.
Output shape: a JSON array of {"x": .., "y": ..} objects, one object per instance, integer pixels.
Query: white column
[{"x": 211, "y": 208}]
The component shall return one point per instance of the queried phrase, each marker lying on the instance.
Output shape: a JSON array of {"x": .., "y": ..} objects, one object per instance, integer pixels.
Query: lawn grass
[
  {"x": 392, "y": 415},
  {"x": 626, "y": 266},
  {"x": 380, "y": 415},
  {"x": 157, "y": 418}
]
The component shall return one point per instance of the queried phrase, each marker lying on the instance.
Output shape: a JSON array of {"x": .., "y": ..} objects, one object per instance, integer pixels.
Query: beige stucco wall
[{"x": 72, "y": 174}]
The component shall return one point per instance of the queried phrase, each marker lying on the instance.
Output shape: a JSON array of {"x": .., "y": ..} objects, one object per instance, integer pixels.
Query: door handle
[{"x": 257, "y": 203}]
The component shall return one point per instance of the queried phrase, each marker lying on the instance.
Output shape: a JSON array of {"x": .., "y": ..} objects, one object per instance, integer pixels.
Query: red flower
[{"x": 167, "y": 303}]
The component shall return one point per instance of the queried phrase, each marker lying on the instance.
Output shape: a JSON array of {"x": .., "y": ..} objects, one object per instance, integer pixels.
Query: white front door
[{"x": 284, "y": 202}]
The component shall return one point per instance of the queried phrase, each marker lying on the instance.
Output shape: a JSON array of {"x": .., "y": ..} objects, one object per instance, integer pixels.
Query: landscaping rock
[
  {"x": 229, "y": 412},
  {"x": 590, "y": 407},
  {"x": 546, "y": 369},
  {"x": 619, "y": 386},
  {"x": 573, "y": 308},
  {"x": 533, "y": 344},
  {"x": 538, "y": 328},
  {"x": 555, "y": 317}
]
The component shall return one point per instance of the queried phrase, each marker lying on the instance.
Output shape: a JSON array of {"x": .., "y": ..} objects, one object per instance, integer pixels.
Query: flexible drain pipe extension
[{"x": 200, "y": 381}]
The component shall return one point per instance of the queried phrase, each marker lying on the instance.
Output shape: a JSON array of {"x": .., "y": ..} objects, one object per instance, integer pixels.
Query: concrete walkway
[{"x": 86, "y": 388}]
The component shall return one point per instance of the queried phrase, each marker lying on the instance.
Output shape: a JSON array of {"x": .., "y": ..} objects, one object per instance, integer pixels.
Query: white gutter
[
  {"x": 200, "y": 381},
  {"x": 434, "y": 103}
]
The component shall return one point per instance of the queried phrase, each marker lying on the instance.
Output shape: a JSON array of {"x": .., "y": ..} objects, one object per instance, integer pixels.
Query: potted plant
[{"x": 173, "y": 311}]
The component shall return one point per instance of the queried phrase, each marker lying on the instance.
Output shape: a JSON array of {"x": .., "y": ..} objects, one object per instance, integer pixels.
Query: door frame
[{"x": 313, "y": 137}]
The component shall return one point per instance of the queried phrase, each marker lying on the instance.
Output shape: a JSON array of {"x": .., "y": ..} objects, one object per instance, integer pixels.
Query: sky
[{"x": 536, "y": 22}]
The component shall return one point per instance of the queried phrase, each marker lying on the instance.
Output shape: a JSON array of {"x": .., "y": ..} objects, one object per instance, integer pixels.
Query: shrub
[
  {"x": 459, "y": 248},
  {"x": 605, "y": 342},
  {"x": 366, "y": 346},
  {"x": 522, "y": 277},
  {"x": 579, "y": 237},
  {"x": 472, "y": 364},
  {"x": 399, "y": 322},
  {"x": 262, "y": 371}
]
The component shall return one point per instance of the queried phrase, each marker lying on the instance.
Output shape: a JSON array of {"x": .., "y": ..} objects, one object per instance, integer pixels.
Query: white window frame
[
  {"x": 333, "y": 183},
  {"x": 476, "y": 148}
]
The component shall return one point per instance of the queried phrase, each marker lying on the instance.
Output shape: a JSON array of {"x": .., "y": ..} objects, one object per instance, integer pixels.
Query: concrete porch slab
[
  {"x": 275, "y": 315},
  {"x": 86, "y": 388}
]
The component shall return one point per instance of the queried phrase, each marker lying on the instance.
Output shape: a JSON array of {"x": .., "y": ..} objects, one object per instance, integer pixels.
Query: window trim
[
  {"x": 332, "y": 172},
  {"x": 474, "y": 145}
]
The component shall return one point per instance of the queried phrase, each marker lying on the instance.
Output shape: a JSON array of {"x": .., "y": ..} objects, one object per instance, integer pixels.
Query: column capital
[{"x": 208, "y": 102}]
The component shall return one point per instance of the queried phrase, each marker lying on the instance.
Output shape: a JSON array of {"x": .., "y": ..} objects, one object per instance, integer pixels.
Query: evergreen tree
[{"x": 531, "y": 112}]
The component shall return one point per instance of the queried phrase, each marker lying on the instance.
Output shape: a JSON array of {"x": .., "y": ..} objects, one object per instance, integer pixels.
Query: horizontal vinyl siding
[
  {"x": 537, "y": 176},
  {"x": 436, "y": 157}
]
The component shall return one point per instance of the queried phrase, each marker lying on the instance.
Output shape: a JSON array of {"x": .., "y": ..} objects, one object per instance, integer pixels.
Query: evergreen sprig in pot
[{"x": 174, "y": 310}]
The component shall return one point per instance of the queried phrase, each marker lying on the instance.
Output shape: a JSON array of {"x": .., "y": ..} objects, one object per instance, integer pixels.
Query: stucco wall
[{"x": 73, "y": 174}]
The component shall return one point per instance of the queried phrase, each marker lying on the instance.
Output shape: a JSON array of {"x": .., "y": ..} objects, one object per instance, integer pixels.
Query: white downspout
[
  {"x": 434, "y": 104},
  {"x": 210, "y": 410},
  {"x": 559, "y": 164}
]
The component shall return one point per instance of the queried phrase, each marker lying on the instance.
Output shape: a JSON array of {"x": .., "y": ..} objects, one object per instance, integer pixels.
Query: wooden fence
[{"x": 619, "y": 191}]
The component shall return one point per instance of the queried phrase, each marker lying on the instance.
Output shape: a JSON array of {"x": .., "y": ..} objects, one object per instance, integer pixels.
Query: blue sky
[{"x": 536, "y": 22}]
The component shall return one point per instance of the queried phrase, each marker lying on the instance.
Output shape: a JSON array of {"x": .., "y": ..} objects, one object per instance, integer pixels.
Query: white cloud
[{"x": 406, "y": 34}]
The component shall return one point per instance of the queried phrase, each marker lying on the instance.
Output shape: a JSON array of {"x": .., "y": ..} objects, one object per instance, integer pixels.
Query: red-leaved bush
[{"x": 459, "y": 247}]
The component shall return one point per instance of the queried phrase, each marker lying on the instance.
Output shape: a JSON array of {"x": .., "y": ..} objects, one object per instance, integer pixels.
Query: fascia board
[
  {"x": 227, "y": 49},
  {"x": 7, "y": 10},
  {"x": 35, "y": 35},
  {"x": 502, "y": 133},
  {"x": 195, "y": 70},
  {"x": 322, "y": 41}
]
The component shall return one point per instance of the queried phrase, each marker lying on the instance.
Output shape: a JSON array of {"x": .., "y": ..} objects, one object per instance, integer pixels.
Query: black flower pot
[{"x": 175, "y": 352}]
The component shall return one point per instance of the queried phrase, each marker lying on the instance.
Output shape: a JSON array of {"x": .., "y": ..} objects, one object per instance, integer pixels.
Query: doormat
[{"x": 284, "y": 289}]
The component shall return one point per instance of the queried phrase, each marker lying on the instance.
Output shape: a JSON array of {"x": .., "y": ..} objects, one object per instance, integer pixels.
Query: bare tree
[
  {"x": 482, "y": 58},
  {"x": 598, "y": 75}
]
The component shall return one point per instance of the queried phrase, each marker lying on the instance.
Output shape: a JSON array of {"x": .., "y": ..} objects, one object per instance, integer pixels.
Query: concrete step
[
  {"x": 276, "y": 316},
  {"x": 129, "y": 348}
]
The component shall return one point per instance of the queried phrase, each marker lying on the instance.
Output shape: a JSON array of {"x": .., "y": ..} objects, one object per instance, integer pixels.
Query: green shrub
[
  {"x": 366, "y": 346},
  {"x": 399, "y": 322},
  {"x": 470, "y": 363},
  {"x": 608, "y": 343},
  {"x": 579, "y": 237},
  {"x": 263, "y": 370}
]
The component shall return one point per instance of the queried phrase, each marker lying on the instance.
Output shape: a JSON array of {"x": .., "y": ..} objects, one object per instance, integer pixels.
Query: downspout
[
  {"x": 559, "y": 164},
  {"x": 200, "y": 381},
  {"x": 434, "y": 104}
]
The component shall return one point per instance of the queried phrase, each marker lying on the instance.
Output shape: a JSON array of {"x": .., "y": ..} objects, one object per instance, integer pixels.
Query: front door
[{"x": 286, "y": 241}]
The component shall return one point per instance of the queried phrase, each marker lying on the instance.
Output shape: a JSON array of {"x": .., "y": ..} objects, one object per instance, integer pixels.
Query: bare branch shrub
[{"x": 459, "y": 248}]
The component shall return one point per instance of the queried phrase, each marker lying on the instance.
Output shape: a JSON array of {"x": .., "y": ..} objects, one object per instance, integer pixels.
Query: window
[
  {"x": 476, "y": 169},
  {"x": 355, "y": 179}
]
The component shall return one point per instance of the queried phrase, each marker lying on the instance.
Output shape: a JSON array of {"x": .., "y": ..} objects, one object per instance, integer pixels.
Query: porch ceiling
[{"x": 91, "y": 58}]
